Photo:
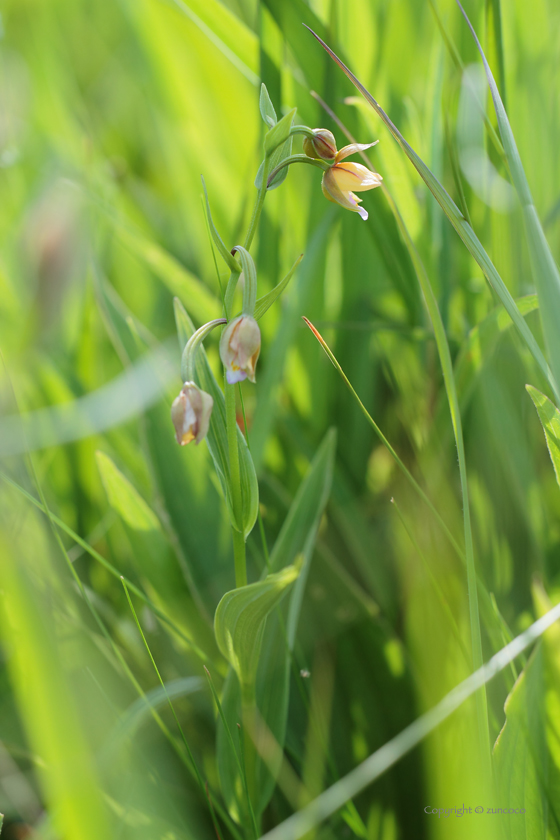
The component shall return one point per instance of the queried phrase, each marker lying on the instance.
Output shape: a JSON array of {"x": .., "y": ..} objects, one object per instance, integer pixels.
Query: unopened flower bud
[
  {"x": 322, "y": 145},
  {"x": 240, "y": 346},
  {"x": 190, "y": 414}
]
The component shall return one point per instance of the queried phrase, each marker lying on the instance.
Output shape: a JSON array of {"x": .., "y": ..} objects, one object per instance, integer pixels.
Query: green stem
[
  {"x": 235, "y": 478},
  {"x": 248, "y": 716},
  {"x": 258, "y": 206}
]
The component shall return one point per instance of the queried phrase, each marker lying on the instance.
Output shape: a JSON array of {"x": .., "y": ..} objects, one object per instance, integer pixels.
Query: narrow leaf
[
  {"x": 267, "y": 108},
  {"x": 226, "y": 255},
  {"x": 280, "y": 132},
  {"x": 550, "y": 419},
  {"x": 265, "y": 302}
]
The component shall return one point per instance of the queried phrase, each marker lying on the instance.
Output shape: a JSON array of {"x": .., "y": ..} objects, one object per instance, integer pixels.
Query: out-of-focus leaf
[
  {"x": 202, "y": 303},
  {"x": 481, "y": 343},
  {"x": 526, "y": 754},
  {"x": 217, "y": 434},
  {"x": 46, "y": 703},
  {"x": 550, "y": 419},
  {"x": 297, "y": 537},
  {"x": 154, "y": 558},
  {"x": 240, "y": 621},
  {"x": 265, "y": 302}
]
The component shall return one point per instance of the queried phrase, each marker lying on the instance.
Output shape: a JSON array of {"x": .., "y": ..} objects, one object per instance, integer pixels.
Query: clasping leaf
[{"x": 240, "y": 620}]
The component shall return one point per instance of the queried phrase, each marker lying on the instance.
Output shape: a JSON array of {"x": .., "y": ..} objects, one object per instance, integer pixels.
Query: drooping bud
[
  {"x": 240, "y": 346},
  {"x": 322, "y": 145},
  {"x": 190, "y": 414}
]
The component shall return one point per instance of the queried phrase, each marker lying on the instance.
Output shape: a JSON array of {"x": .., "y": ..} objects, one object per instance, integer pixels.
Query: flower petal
[
  {"x": 354, "y": 176},
  {"x": 234, "y": 376},
  {"x": 332, "y": 191},
  {"x": 352, "y": 149}
]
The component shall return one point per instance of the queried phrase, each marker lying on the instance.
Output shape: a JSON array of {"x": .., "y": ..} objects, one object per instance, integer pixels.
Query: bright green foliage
[
  {"x": 526, "y": 754},
  {"x": 240, "y": 621}
]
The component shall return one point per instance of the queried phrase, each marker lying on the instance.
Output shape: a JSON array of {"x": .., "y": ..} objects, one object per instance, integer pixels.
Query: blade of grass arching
[
  {"x": 332, "y": 799},
  {"x": 171, "y": 706},
  {"x": 102, "y": 560},
  {"x": 545, "y": 270},
  {"x": 494, "y": 27},
  {"x": 460, "y": 224},
  {"x": 226, "y": 31}
]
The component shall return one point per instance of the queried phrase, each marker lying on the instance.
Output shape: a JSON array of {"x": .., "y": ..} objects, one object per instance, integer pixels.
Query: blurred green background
[{"x": 109, "y": 115}]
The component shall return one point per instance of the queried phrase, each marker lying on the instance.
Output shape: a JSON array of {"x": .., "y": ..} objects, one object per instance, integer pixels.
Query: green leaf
[
  {"x": 297, "y": 538},
  {"x": 277, "y": 153},
  {"x": 279, "y": 133},
  {"x": 240, "y": 620},
  {"x": 226, "y": 255},
  {"x": 217, "y": 434},
  {"x": 267, "y": 108},
  {"x": 545, "y": 270},
  {"x": 550, "y": 419},
  {"x": 526, "y": 754},
  {"x": 265, "y": 302}
]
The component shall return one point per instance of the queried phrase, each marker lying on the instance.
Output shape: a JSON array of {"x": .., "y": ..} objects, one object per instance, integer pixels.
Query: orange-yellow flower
[{"x": 342, "y": 180}]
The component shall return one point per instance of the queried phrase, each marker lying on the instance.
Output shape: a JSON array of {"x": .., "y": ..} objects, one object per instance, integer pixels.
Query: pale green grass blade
[
  {"x": 545, "y": 270},
  {"x": 383, "y": 759},
  {"x": 550, "y": 419},
  {"x": 460, "y": 224},
  {"x": 46, "y": 705},
  {"x": 139, "y": 712}
]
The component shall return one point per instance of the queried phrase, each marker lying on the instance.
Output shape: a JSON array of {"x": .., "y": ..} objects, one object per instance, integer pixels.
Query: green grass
[{"x": 121, "y": 712}]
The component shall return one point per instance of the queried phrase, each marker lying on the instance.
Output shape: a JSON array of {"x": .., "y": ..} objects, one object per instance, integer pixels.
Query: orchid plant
[{"x": 242, "y": 613}]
